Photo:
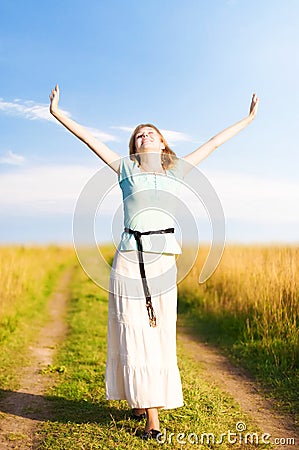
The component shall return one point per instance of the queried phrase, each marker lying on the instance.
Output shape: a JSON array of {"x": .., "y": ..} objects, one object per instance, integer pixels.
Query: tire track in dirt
[
  {"x": 244, "y": 391},
  {"x": 21, "y": 411}
]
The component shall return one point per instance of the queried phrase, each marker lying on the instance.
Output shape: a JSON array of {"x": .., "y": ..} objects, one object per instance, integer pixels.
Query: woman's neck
[{"x": 150, "y": 162}]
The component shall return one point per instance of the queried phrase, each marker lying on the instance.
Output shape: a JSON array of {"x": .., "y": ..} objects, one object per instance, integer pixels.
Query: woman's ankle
[{"x": 152, "y": 421}]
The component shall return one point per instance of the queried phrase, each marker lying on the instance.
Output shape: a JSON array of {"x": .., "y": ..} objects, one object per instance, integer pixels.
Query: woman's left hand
[{"x": 253, "y": 106}]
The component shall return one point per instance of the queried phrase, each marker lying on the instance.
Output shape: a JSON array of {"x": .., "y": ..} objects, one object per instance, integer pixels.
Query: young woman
[{"x": 141, "y": 362}]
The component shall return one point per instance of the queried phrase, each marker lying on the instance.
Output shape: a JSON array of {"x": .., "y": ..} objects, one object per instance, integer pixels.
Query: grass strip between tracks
[{"x": 84, "y": 419}]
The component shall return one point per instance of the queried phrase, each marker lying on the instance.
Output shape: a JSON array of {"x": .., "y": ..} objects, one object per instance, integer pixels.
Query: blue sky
[{"x": 189, "y": 67}]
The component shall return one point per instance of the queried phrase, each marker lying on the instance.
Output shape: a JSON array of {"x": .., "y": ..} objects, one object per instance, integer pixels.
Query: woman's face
[{"x": 148, "y": 139}]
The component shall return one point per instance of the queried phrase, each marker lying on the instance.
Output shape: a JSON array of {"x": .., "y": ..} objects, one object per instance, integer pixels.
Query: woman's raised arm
[
  {"x": 204, "y": 150},
  {"x": 108, "y": 156}
]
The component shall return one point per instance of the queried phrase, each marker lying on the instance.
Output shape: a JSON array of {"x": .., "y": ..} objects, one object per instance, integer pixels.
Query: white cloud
[
  {"x": 253, "y": 199},
  {"x": 12, "y": 158},
  {"x": 249, "y": 200},
  {"x": 46, "y": 190},
  {"x": 101, "y": 135},
  {"x": 175, "y": 136},
  {"x": 171, "y": 136},
  {"x": 27, "y": 109},
  {"x": 31, "y": 110},
  {"x": 55, "y": 189}
]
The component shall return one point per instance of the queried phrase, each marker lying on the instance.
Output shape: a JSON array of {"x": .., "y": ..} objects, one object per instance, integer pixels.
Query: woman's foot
[
  {"x": 138, "y": 413},
  {"x": 151, "y": 434}
]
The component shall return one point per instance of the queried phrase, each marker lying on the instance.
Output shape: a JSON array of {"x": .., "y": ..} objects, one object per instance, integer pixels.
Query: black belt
[{"x": 137, "y": 235}]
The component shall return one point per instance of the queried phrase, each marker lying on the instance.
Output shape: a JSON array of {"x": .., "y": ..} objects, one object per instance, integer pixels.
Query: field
[
  {"x": 28, "y": 276},
  {"x": 248, "y": 308}
]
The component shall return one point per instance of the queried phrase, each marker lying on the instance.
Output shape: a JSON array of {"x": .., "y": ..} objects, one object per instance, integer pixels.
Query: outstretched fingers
[
  {"x": 254, "y": 105},
  {"x": 54, "y": 91},
  {"x": 54, "y": 97}
]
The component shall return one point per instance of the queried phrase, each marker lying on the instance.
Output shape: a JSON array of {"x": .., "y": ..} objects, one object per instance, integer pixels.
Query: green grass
[
  {"x": 249, "y": 309},
  {"x": 84, "y": 419},
  {"x": 35, "y": 272}
]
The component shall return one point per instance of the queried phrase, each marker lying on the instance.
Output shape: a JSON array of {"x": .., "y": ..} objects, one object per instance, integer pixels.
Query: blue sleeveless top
[{"x": 149, "y": 203}]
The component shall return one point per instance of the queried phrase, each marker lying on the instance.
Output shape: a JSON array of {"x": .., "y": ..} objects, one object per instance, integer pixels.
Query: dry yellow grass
[
  {"x": 250, "y": 307},
  {"x": 25, "y": 272}
]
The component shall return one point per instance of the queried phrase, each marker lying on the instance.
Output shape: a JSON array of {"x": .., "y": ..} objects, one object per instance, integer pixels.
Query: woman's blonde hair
[{"x": 168, "y": 157}]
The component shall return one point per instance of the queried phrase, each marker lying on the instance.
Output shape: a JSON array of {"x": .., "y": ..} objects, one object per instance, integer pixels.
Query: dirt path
[
  {"x": 234, "y": 381},
  {"x": 21, "y": 411}
]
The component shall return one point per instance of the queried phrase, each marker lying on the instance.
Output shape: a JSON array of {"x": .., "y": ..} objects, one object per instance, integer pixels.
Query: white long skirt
[{"x": 141, "y": 361}]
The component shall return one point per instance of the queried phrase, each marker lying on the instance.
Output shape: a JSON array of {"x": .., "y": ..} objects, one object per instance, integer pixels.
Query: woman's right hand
[{"x": 54, "y": 98}]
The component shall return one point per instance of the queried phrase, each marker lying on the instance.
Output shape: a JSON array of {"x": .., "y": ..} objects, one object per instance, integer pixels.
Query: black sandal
[
  {"x": 138, "y": 416},
  {"x": 151, "y": 434}
]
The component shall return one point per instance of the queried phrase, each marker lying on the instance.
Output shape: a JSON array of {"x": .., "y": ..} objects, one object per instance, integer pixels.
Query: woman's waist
[{"x": 152, "y": 243}]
